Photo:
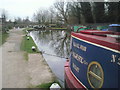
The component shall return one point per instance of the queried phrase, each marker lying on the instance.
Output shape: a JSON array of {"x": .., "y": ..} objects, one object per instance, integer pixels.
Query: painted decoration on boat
[{"x": 94, "y": 66}]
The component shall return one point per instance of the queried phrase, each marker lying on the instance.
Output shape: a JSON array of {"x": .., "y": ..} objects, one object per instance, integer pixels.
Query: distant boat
[
  {"x": 80, "y": 28},
  {"x": 112, "y": 27}
]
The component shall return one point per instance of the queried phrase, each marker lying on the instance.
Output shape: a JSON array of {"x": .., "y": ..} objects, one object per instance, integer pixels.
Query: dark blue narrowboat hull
[
  {"x": 93, "y": 65},
  {"x": 80, "y": 59}
]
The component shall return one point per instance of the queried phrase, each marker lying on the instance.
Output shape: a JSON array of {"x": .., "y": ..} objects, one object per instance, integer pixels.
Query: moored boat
[{"x": 94, "y": 60}]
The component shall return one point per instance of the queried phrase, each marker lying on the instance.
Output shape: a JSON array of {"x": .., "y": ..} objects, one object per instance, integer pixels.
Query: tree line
[
  {"x": 79, "y": 13},
  {"x": 69, "y": 13},
  {"x": 6, "y": 24}
]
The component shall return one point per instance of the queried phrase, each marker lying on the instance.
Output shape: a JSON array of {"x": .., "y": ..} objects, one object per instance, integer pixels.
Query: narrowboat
[
  {"x": 94, "y": 59},
  {"x": 80, "y": 28}
]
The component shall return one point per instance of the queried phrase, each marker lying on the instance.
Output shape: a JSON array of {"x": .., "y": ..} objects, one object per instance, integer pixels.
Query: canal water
[{"x": 55, "y": 46}]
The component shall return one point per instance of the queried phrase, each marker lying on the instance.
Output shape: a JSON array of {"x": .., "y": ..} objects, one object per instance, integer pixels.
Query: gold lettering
[
  {"x": 76, "y": 45},
  {"x": 75, "y": 67},
  {"x": 83, "y": 48},
  {"x": 79, "y": 58},
  {"x": 119, "y": 61}
]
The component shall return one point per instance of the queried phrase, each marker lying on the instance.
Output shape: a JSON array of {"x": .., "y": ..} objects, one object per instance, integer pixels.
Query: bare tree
[
  {"x": 42, "y": 16},
  {"x": 4, "y": 14},
  {"x": 52, "y": 14},
  {"x": 62, "y": 8},
  {"x": 75, "y": 11}
]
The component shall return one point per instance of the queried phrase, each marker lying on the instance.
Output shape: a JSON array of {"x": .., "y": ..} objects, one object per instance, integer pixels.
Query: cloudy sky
[{"x": 23, "y": 8}]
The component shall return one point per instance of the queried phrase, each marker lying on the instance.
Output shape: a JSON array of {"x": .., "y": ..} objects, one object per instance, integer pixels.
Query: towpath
[{"x": 16, "y": 71}]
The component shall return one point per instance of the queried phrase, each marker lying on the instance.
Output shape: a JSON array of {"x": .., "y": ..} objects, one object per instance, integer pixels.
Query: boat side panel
[
  {"x": 83, "y": 54},
  {"x": 70, "y": 80}
]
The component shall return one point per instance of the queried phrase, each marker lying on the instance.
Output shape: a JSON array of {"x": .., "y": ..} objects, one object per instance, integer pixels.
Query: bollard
[
  {"x": 55, "y": 86},
  {"x": 33, "y": 48},
  {"x": 28, "y": 38}
]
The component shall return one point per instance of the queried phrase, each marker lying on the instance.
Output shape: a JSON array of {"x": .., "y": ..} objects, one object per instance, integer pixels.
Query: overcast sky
[{"x": 23, "y": 8}]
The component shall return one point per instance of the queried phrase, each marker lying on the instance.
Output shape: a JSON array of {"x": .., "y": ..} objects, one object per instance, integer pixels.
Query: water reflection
[
  {"x": 55, "y": 44},
  {"x": 58, "y": 40}
]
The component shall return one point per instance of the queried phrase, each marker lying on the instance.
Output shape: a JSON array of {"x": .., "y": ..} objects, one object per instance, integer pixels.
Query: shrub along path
[{"x": 16, "y": 71}]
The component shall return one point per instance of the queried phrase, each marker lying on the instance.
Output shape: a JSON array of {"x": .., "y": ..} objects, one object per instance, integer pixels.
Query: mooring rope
[
  {"x": 43, "y": 52},
  {"x": 60, "y": 79}
]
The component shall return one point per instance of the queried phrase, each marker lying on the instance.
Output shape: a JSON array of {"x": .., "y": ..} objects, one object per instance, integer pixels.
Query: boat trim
[
  {"x": 77, "y": 79},
  {"x": 97, "y": 44}
]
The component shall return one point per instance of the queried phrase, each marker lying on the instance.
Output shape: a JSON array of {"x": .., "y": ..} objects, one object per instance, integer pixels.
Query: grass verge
[
  {"x": 3, "y": 37},
  {"x": 47, "y": 85},
  {"x": 26, "y": 56},
  {"x": 44, "y": 85},
  {"x": 59, "y": 28},
  {"x": 27, "y": 29},
  {"x": 26, "y": 45}
]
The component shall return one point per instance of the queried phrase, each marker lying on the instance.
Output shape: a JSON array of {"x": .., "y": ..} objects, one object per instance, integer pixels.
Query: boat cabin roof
[
  {"x": 114, "y": 25},
  {"x": 105, "y": 38}
]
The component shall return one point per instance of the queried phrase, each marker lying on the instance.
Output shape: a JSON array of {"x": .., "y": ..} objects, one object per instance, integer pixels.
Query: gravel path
[
  {"x": 14, "y": 66},
  {"x": 0, "y": 67},
  {"x": 16, "y": 71},
  {"x": 39, "y": 70}
]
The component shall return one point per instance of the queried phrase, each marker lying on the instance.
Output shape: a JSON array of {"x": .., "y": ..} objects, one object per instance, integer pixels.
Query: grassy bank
[
  {"x": 27, "y": 29},
  {"x": 3, "y": 37},
  {"x": 58, "y": 28},
  {"x": 47, "y": 85},
  {"x": 44, "y": 85},
  {"x": 26, "y": 45}
]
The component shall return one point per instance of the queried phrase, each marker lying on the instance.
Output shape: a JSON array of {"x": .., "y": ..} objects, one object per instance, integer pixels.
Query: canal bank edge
[{"x": 33, "y": 59}]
